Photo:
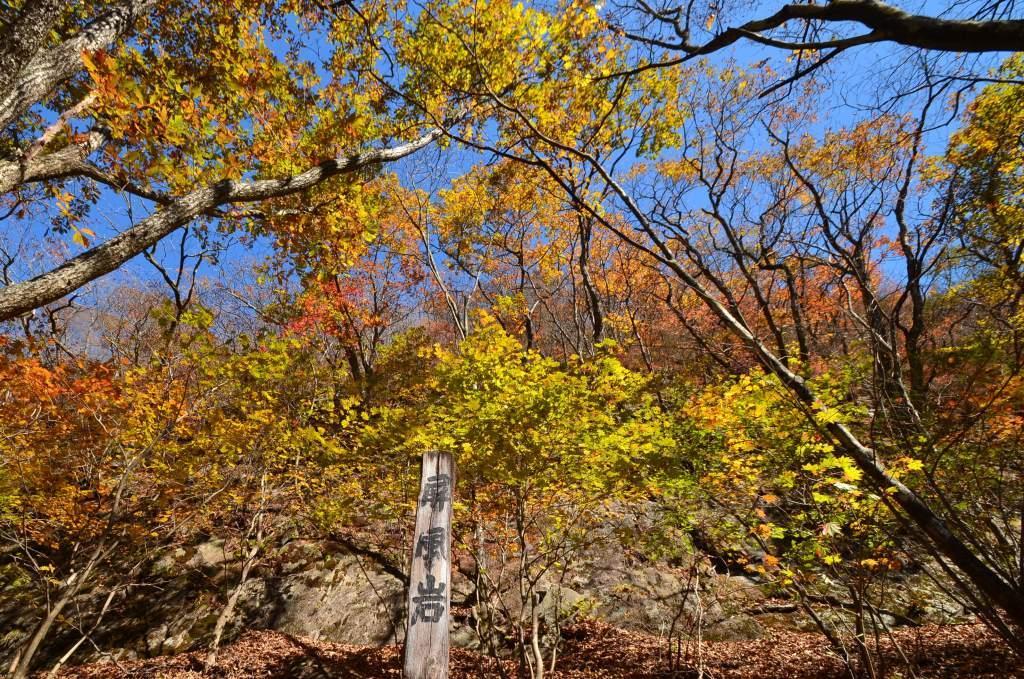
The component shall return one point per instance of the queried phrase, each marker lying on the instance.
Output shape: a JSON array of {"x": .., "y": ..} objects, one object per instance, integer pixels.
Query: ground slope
[{"x": 591, "y": 650}]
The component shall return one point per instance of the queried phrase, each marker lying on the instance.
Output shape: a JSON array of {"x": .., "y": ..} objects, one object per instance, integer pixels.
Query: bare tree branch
[{"x": 885, "y": 22}]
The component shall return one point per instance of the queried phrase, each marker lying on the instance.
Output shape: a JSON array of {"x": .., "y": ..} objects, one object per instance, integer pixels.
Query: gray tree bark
[
  {"x": 25, "y": 35},
  {"x": 48, "y": 68},
  {"x": 22, "y": 297}
]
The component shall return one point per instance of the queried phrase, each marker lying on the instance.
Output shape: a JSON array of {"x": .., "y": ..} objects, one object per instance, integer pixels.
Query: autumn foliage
[{"x": 635, "y": 266}]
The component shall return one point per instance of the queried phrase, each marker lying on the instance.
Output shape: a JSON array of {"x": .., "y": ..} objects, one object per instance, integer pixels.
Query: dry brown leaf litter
[{"x": 592, "y": 650}]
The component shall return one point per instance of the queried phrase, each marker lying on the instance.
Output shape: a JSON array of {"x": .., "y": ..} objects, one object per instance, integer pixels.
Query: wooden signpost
[{"x": 426, "y": 636}]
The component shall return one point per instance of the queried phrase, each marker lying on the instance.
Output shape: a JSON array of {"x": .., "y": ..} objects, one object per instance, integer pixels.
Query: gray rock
[{"x": 209, "y": 554}]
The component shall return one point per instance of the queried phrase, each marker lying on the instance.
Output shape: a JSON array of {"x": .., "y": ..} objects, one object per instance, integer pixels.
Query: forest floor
[{"x": 592, "y": 650}]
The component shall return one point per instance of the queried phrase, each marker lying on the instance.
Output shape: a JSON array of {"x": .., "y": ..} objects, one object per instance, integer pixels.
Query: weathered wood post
[{"x": 426, "y": 636}]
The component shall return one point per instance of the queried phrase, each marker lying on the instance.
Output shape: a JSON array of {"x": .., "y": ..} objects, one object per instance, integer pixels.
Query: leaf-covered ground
[{"x": 593, "y": 650}]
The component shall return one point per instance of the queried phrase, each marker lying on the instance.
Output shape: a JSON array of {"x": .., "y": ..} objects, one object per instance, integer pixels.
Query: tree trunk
[
  {"x": 228, "y": 611},
  {"x": 71, "y": 588}
]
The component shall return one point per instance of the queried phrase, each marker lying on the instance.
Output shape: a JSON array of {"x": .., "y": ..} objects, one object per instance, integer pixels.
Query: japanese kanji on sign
[{"x": 426, "y": 638}]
